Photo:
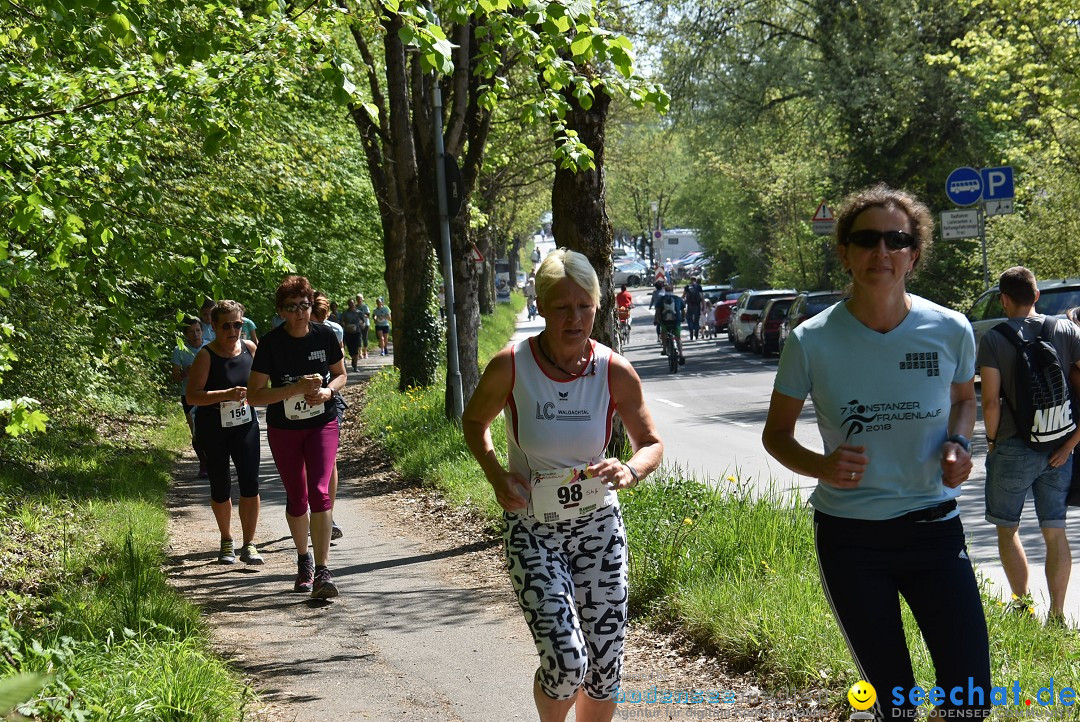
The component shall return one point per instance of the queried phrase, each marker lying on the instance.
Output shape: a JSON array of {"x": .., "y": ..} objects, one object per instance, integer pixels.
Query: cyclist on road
[
  {"x": 669, "y": 318},
  {"x": 623, "y": 303}
]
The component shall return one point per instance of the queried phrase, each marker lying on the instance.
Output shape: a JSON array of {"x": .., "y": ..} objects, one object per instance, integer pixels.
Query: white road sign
[
  {"x": 999, "y": 208},
  {"x": 959, "y": 224}
]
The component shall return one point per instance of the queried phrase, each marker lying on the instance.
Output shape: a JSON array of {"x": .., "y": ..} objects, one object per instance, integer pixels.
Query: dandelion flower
[
  {"x": 732, "y": 479},
  {"x": 688, "y": 521}
]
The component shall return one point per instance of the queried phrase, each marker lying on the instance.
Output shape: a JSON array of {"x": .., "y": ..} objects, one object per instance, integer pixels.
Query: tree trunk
[
  {"x": 467, "y": 315},
  {"x": 580, "y": 223},
  {"x": 579, "y": 208}
]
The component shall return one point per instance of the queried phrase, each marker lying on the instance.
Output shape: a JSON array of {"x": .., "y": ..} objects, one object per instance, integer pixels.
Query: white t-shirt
[
  {"x": 554, "y": 424},
  {"x": 888, "y": 392}
]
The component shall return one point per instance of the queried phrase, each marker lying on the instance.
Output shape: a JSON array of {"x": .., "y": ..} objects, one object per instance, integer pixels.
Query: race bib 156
[{"x": 234, "y": 413}]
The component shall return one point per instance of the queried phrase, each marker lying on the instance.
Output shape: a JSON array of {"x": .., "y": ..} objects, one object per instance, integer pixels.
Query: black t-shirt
[{"x": 285, "y": 359}]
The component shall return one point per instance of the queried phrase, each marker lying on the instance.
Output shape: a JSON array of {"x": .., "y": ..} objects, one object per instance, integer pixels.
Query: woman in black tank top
[{"x": 217, "y": 387}]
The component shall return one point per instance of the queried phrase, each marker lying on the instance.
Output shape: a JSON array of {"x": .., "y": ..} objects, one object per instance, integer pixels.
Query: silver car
[
  {"x": 630, "y": 273},
  {"x": 745, "y": 314}
]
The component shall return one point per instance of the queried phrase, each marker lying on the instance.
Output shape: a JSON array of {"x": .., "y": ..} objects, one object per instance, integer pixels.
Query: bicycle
[
  {"x": 671, "y": 351},
  {"x": 624, "y": 325}
]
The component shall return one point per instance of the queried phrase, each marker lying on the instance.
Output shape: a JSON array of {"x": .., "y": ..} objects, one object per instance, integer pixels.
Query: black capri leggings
[
  {"x": 364, "y": 335},
  {"x": 241, "y": 444},
  {"x": 352, "y": 343},
  {"x": 866, "y": 566}
]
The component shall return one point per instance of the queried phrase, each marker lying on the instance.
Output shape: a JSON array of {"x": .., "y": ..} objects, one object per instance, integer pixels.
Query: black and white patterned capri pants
[{"x": 570, "y": 578}]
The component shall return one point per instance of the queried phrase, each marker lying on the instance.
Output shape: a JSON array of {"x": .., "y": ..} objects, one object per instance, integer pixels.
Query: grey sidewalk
[{"x": 404, "y": 641}]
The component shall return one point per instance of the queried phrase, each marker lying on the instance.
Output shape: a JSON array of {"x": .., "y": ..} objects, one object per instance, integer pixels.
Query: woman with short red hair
[{"x": 297, "y": 372}]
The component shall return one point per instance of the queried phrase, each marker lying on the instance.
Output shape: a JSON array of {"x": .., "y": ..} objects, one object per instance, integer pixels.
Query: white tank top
[{"x": 554, "y": 424}]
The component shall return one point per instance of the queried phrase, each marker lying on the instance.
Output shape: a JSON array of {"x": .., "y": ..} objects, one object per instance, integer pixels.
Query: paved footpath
[{"x": 408, "y": 639}]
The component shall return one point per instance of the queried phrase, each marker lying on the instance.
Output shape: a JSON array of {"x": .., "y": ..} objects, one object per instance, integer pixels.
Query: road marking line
[{"x": 671, "y": 403}]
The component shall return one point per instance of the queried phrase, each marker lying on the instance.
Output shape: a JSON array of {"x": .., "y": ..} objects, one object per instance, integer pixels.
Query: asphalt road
[{"x": 710, "y": 415}]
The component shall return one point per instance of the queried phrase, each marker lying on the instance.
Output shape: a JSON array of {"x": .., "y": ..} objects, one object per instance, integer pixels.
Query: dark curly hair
[
  {"x": 293, "y": 286},
  {"x": 882, "y": 196}
]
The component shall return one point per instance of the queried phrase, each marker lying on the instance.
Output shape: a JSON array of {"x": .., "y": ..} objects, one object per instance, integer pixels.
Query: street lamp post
[{"x": 655, "y": 206}]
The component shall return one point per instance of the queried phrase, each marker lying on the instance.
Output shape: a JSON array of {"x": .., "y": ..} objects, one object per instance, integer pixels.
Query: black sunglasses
[
  {"x": 294, "y": 307},
  {"x": 234, "y": 325},
  {"x": 869, "y": 238}
]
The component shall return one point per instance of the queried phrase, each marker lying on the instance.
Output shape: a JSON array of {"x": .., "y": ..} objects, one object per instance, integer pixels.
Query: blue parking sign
[
  {"x": 997, "y": 183},
  {"x": 964, "y": 186}
]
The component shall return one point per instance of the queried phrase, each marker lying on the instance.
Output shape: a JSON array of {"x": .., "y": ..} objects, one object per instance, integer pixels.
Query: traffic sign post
[
  {"x": 992, "y": 189},
  {"x": 823, "y": 221},
  {"x": 997, "y": 183},
  {"x": 959, "y": 224},
  {"x": 964, "y": 186}
]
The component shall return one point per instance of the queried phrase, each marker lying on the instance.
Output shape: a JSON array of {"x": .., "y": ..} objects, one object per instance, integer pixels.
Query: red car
[
  {"x": 722, "y": 313},
  {"x": 767, "y": 330}
]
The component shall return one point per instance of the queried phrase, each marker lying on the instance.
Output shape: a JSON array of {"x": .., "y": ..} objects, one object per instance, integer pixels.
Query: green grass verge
[
  {"x": 83, "y": 595},
  {"x": 734, "y": 571}
]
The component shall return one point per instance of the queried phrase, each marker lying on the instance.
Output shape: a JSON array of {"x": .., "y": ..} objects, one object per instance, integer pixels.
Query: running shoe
[
  {"x": 225, "y": 554},
  {"x": 324, "y": 587},
  {"x": 335, "y": 531},
  {"x": 250, "y": 555},
  {"x": 305, "y": 574}
]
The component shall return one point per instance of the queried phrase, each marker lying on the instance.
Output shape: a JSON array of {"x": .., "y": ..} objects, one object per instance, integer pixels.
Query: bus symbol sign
[{"x": 964, "y": 186}]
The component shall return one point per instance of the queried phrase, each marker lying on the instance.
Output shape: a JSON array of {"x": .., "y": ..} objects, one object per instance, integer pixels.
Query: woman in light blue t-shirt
[{"x": 891, "y": 376}]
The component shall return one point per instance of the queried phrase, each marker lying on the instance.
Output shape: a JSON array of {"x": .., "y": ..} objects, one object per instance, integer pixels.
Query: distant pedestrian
[
  {"x": 530, "y": 296},
  {"x": 334, "y": 315},
  {"x": 303, "y": 361},
  {"x": 320, "y": 314},
  {"x": 248, "y": 332},
  {"x": 204, "y": 317},
  {"x": 693, "y": 295},
  {"x": 351, "y": 322},
  {"x": 228, "y": 428},
  {"x": 182, "y": 358},
  {"x": 365, "y": 324},
  {"x": 1013, "y": 467},
  {"x": 381, "y": 317}
]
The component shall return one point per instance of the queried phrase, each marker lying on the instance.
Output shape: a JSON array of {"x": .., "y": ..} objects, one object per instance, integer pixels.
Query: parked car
[
  {"x": 681, "y": 266},
  {"x": 767, "y": 329},
  {"x": 1055, "y": 298},
  {"x": 745, "y": 314},
  {"x": 806, "y": 305},
  {"x": 630, "y": 273}
]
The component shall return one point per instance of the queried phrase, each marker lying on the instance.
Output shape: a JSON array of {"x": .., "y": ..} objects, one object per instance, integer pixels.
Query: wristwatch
[{"x": 962, "y": 440}]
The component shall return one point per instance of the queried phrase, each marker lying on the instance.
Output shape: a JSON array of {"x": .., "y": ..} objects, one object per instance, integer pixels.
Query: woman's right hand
[
  {"x": 237, "y": 393},
  {"x": 512, "y": 492},
  {"x": 844, "y": 467}
]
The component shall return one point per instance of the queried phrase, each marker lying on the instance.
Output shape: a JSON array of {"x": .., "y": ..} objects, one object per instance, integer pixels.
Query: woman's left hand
[
  {"x": 321, "y": 396},
  {"x": 955, "y": 464},
  {"x": 614, "y": 472}
]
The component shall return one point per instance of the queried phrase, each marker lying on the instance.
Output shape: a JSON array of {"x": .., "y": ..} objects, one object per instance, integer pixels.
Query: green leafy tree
[{"x": 566, "y": 54}]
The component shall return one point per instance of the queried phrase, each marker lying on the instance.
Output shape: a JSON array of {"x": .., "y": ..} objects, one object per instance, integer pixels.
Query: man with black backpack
[
  {"x": 669, "y": 318},
  {"x": 693, "y": 295},
  {"x": 1030, "y": 432}
]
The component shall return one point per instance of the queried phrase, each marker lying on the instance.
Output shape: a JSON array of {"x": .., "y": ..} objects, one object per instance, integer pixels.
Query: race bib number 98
[
  {"x": 297, "y": 409},
  {"x": 570, "y": 493},
  {"x": 234, "y": 413}
]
